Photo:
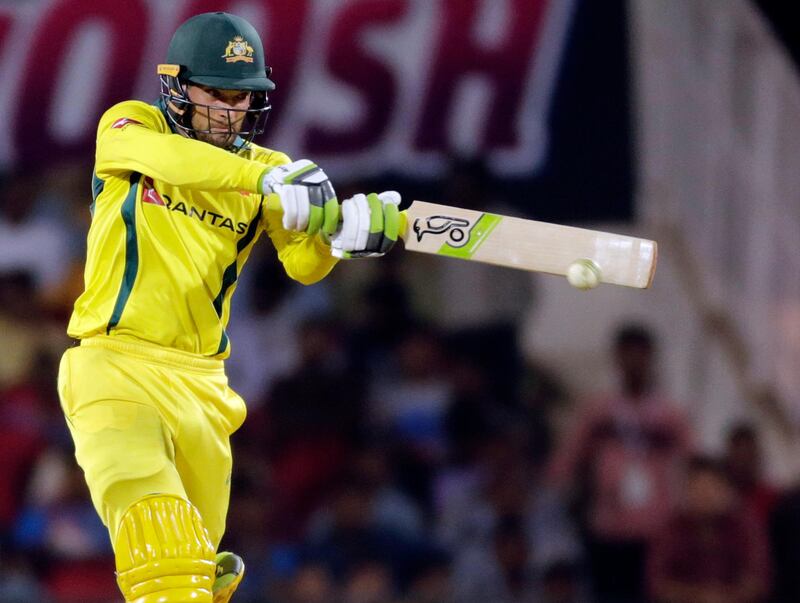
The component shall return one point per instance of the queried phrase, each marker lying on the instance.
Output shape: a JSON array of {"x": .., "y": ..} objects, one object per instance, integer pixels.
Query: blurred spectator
[
  {"x": 711, "y": 551},
  {"x": 506, "y": 484},
  {"x": 492, "y": 387},
  {"x": 352, "y": 539},
  {"x": 24, "y": 329},
  {"x": 369, "y": 582},
  {"x": 18, "y": 583},
  {"x": 784, "y": 533},
  {"x": 248, "y": 533},
  {"x": 493, "y": 351},
  {"x": 473, "y": 419},
  {"x": 66, "y": 198},
  {"x": 409, "y": 407},
  {"x": 62, "y": 528},
  {"x": 379, "y": 317},
  {"x": 743, "y": 462},
  {"x": 313, "y": 583},
  {"x": 30, "y": 419},
  {"x": 390, "y": 508},
  {"x": 543, "y": 396},
  {"x": 63, "y": 523},
  {"x": 30, "y": 244},
  {"x": 562, "y": 582},
  {"x": 503, "y": 572},
  {"x": 265, "y": 323},
  {"x": 314, "y": 418},
  {"x": 474, "y": 411},
  {"x": 430, "y": 579},
  {"x": 623, "y": 459}
]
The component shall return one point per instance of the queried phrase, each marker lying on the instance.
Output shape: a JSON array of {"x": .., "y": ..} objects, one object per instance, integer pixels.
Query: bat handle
[{"x": 403, "y": 228}]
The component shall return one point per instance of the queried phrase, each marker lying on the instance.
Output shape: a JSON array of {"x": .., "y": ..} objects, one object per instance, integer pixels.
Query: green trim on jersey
[
  {"x": 223, "y": 342},
  {"x": 128, "y": 212},
  {"x": 231, "y": 273},
  {"x": 97, "y": 187}
]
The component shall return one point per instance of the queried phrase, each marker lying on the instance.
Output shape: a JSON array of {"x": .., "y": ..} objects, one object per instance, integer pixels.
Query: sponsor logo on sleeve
[
  {"x": 150, "y": 194},
  {"x": 124, "y": 121}
]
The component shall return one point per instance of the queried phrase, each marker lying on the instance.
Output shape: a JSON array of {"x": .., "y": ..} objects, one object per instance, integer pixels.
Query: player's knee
[{"x": 163, "y": 553}]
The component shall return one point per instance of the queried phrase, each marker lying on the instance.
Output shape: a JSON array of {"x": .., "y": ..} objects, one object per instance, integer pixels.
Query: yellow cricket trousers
[{"x": 150, "y": 420}]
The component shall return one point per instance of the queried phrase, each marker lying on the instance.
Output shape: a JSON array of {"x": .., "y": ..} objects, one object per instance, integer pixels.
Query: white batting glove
[
  {"x": 370, "y": 225},
  {"x": 307, "y": 197}
]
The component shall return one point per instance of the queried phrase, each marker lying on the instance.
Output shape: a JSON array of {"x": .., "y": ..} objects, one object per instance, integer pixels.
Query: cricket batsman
[{"x": 180, "y": 196}]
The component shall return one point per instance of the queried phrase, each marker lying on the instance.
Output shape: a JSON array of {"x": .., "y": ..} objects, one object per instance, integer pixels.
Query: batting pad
[{"x": 163, "y": 553}]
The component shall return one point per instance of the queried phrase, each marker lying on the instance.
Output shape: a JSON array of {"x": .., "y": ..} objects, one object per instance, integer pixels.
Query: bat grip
[
  {"x": 272, "y": 203},
  {"x": 403, "y": 228}
]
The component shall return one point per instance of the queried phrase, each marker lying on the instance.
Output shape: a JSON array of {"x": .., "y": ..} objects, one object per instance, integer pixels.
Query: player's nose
[
  {"x": 223, "y": 113},
  {"x": 221, "y": 108}
]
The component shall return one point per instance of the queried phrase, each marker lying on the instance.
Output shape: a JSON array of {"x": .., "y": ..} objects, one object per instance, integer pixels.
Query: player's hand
[
  {"x": 307, "y": 197},
  {"x": 370, "y": 225}
]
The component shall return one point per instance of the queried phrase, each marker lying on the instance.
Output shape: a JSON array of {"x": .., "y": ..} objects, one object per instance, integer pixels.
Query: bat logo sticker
[{"x": 436, "y": 225}]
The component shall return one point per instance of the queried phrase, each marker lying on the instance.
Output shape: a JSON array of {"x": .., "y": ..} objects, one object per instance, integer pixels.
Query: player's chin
[{"x": 219, "y": 139}]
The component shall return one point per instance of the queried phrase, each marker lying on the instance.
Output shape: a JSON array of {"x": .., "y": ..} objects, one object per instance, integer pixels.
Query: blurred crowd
[{"x": 399, "y": 447}]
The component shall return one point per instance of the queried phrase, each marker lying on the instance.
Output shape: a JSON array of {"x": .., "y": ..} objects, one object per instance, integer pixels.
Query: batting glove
[
  {"x": 307, "y": 197},
  {"x": 370, "y": 225}
]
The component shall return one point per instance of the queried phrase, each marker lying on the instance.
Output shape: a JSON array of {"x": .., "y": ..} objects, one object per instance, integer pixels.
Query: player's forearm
[
  {"x": 177, "y": 160},
  {"x": 306, "y": 259}
]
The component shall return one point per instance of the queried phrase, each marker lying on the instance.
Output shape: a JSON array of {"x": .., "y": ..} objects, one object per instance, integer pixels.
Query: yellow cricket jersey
[{"x": 173, "y": 222}]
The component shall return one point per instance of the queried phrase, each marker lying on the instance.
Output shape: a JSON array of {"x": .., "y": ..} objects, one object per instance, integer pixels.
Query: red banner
[{"x": 364, "y": 86}]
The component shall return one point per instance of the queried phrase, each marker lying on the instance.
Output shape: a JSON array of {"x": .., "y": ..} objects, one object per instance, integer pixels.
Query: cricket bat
[{"x": 526, "y": 244}]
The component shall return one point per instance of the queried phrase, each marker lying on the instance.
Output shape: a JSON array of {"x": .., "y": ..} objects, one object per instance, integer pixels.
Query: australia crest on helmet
[{"x": 237, "y": 50}]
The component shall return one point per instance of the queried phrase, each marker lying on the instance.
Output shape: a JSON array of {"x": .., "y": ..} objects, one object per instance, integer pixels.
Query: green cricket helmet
[{"x": 218, "y": 50}]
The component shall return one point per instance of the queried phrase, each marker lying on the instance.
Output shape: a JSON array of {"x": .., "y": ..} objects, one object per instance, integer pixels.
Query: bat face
[{"x": 526, "y": 244}]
